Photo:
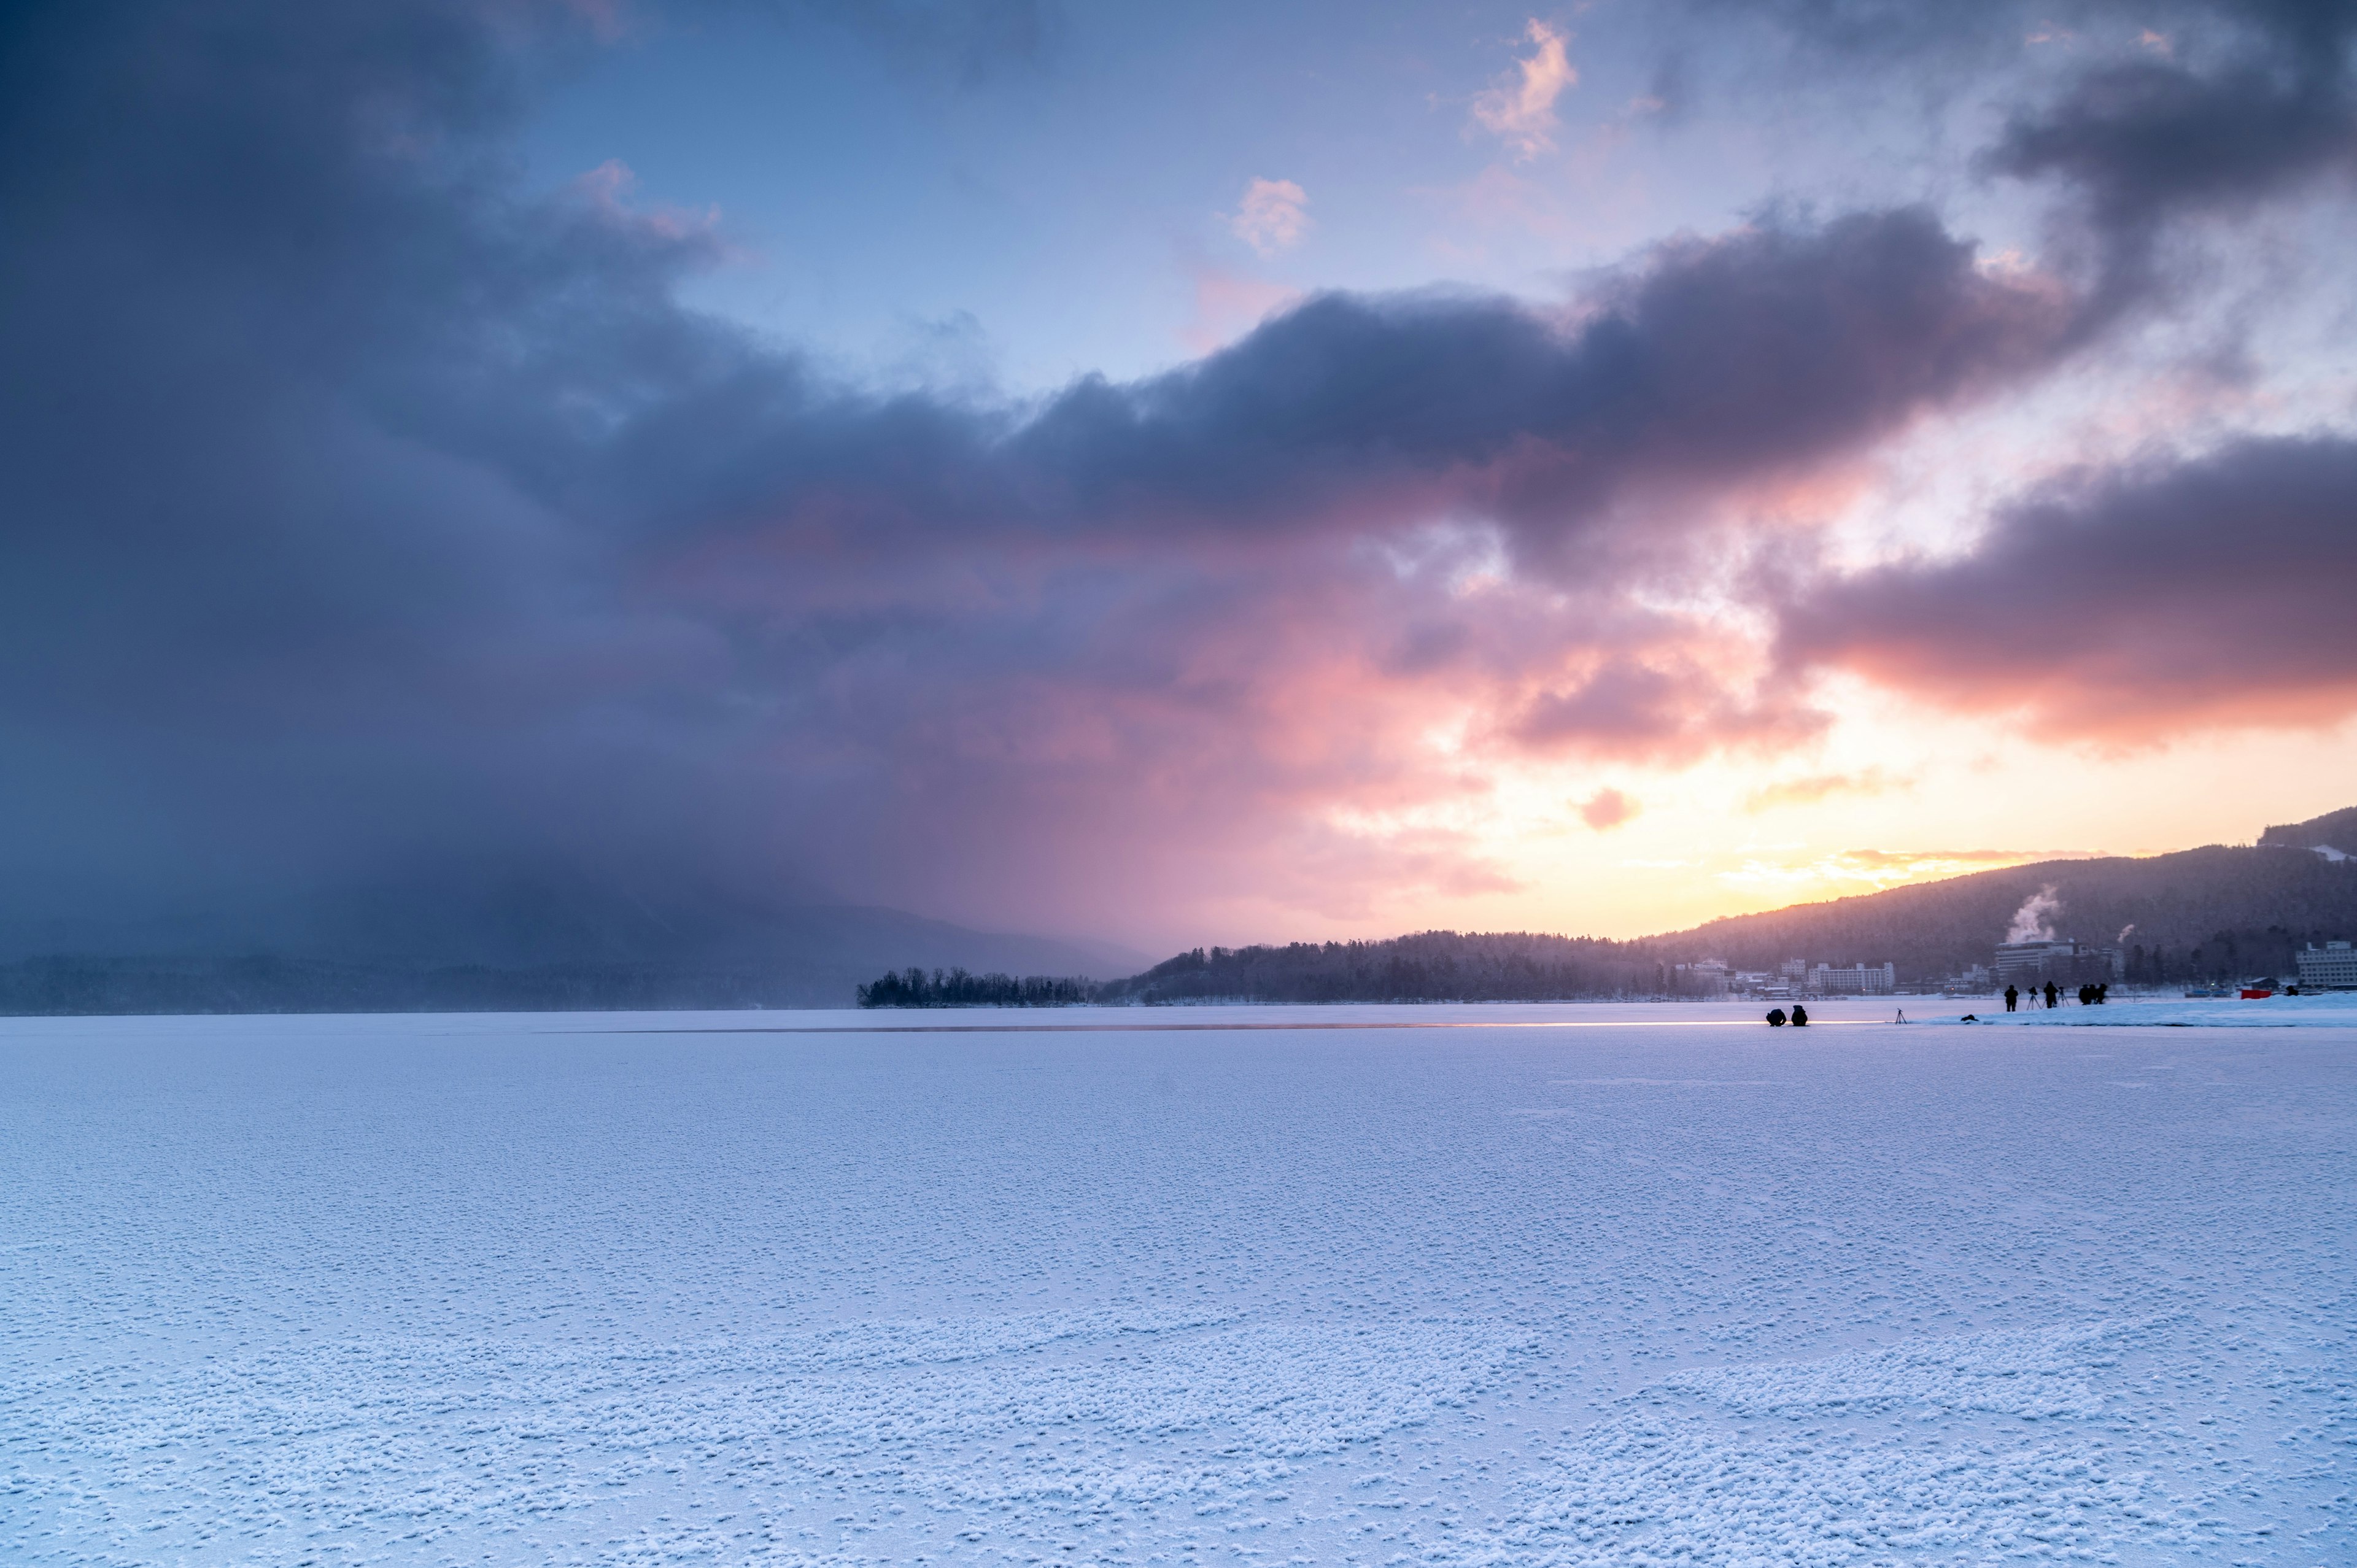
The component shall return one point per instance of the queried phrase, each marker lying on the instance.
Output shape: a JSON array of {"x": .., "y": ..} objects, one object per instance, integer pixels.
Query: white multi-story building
[
  {"x": 1708, "y": 977},
  {"x": 2031, "y": 961},
  {"x": 2063, "y": 962},
  {"x": 1853, "y": 979},
  {"x": 2332, "y": 967}
]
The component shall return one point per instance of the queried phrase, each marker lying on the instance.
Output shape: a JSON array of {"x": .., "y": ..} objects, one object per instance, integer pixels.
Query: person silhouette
[
  {"x": 1800, "y": 1016},
  {"x": 2012, "y": 998},
  {"x": 2053, "y": 994},
  {"x": 1775, "y": 1017}
]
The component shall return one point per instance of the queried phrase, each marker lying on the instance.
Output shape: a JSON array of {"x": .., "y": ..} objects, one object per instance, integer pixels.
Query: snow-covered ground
[
  {"x": 2333, "y": 1009},
  {"x": 1581, "y": 1285}
]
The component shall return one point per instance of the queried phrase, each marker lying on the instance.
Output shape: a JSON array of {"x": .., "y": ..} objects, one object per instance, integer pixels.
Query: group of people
[{"x": 2089, "y": 996}]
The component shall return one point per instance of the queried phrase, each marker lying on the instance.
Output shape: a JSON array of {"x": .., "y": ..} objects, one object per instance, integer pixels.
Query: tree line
[
  {"x": 956, "y": 988},
  {"x": 1430, "y": 966}
]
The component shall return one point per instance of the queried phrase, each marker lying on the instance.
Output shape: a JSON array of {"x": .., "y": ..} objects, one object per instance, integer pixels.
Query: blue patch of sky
[{"x": 905, "y": 218}]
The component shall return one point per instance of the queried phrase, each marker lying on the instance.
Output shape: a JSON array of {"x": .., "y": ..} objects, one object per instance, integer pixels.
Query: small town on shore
[{"x": 2063, "y": 965}]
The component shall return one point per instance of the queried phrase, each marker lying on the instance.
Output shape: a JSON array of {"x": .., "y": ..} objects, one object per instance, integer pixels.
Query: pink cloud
[
  {"x": 1606, "y": 810},
  {"x": 1520, "y": 109},
  {"x": 1808, "y": 791},
  {"x": 606, "y": 191},
  {"x": 1273, "y": 216}
]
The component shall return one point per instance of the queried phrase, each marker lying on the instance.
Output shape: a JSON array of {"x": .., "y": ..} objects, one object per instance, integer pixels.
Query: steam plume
[{"x": 2034, "y": 921}]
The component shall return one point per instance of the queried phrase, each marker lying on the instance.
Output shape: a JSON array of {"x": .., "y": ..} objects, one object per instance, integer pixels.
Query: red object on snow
[{"x": 2255, "y": 993}]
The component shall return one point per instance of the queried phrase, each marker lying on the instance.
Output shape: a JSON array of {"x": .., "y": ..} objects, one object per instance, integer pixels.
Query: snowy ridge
[{"x": 2330, "y": 1010}]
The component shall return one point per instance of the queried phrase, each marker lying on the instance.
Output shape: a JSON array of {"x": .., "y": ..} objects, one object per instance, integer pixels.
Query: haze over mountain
[
  {"x": 2217, "y": 912},
  {"x": 557, "y": 943},
  {"x": 2245, "y": 910},
  {"x": 535, "y": 945}
]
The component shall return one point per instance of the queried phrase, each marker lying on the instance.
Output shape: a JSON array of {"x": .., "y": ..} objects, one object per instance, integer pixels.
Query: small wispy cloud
[
  {"x": 1939, "y": 857},
  {"x": 1823, "y": 786},
  {"x": 1606, "y": 808},
  {"x": 1520, "y": 109},
  {"x": 1880, "y": 868},
  {"x": 1273, "y": 216},
  {"x": 608, "y": 190}
]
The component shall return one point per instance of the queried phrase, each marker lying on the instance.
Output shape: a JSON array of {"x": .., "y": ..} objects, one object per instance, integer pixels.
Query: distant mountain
[
  {"x": 2213, "y": 913},
  {"x": 520, "y": 947},
  {"x": 2221, "y": 912}
]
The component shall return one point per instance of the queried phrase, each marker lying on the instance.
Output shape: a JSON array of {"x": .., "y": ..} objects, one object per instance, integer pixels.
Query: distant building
[
  {"x": 2332, "y": 967},
  {"x": 1708, "y": 977},
  {"x": 1794, "y": 970},
  {"x": 2062, "y": 962},
  {"x": 2018, "y": 961},
  {"x": 1853, "y": 979}
]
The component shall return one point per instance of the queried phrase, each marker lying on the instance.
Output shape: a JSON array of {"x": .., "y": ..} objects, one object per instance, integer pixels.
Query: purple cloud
[
  {"x": 371, "y": 516},
  {"x": 2127, "y": 604}
]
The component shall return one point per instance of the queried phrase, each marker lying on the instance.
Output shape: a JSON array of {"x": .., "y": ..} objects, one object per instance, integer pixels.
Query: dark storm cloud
[
  {"x": 2262, "y": 105},
  {"x": 255, "y": 253},
  {"x": 2181, "y": 109},
  {"x": 1972, "y": 37},
  {"x": 2128, "y": 604},
  {"x": 1718, "y": 360},
  {"x": 1714, "y": 361}
]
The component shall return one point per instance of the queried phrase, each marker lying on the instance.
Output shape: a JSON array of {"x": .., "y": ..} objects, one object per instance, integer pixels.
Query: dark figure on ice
[
  {"x": 2053, "y": 993},
  {"x": 2102, "y": 992},
  {"x": 2086, "y": 996},
  {"x": 2012, "y": 998},
  {"x": 1775, "y": 1017},
  {"x": 1800, "y": 1016}
]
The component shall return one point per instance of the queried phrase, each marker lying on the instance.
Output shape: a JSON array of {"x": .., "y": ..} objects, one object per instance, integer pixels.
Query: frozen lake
[{"x": 1579, "y": 1285}]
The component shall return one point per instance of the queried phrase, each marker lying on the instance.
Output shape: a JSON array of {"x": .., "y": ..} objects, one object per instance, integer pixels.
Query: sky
[{"x": 1172, "y": 475}]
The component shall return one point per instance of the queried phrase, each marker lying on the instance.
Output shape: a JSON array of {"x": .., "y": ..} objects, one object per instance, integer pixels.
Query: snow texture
[
  {"x": 1577, "y": 1286},
  {"x": 2330, "y": 1010}
]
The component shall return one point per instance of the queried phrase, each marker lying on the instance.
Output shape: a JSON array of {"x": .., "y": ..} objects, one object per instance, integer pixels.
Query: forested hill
[
  {"x": 2214, "y": 913},
  {"x": 1431, "y": 966},
  {"x": 2246, "y": 909},
  {"x": 2334, "y": 830}
]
